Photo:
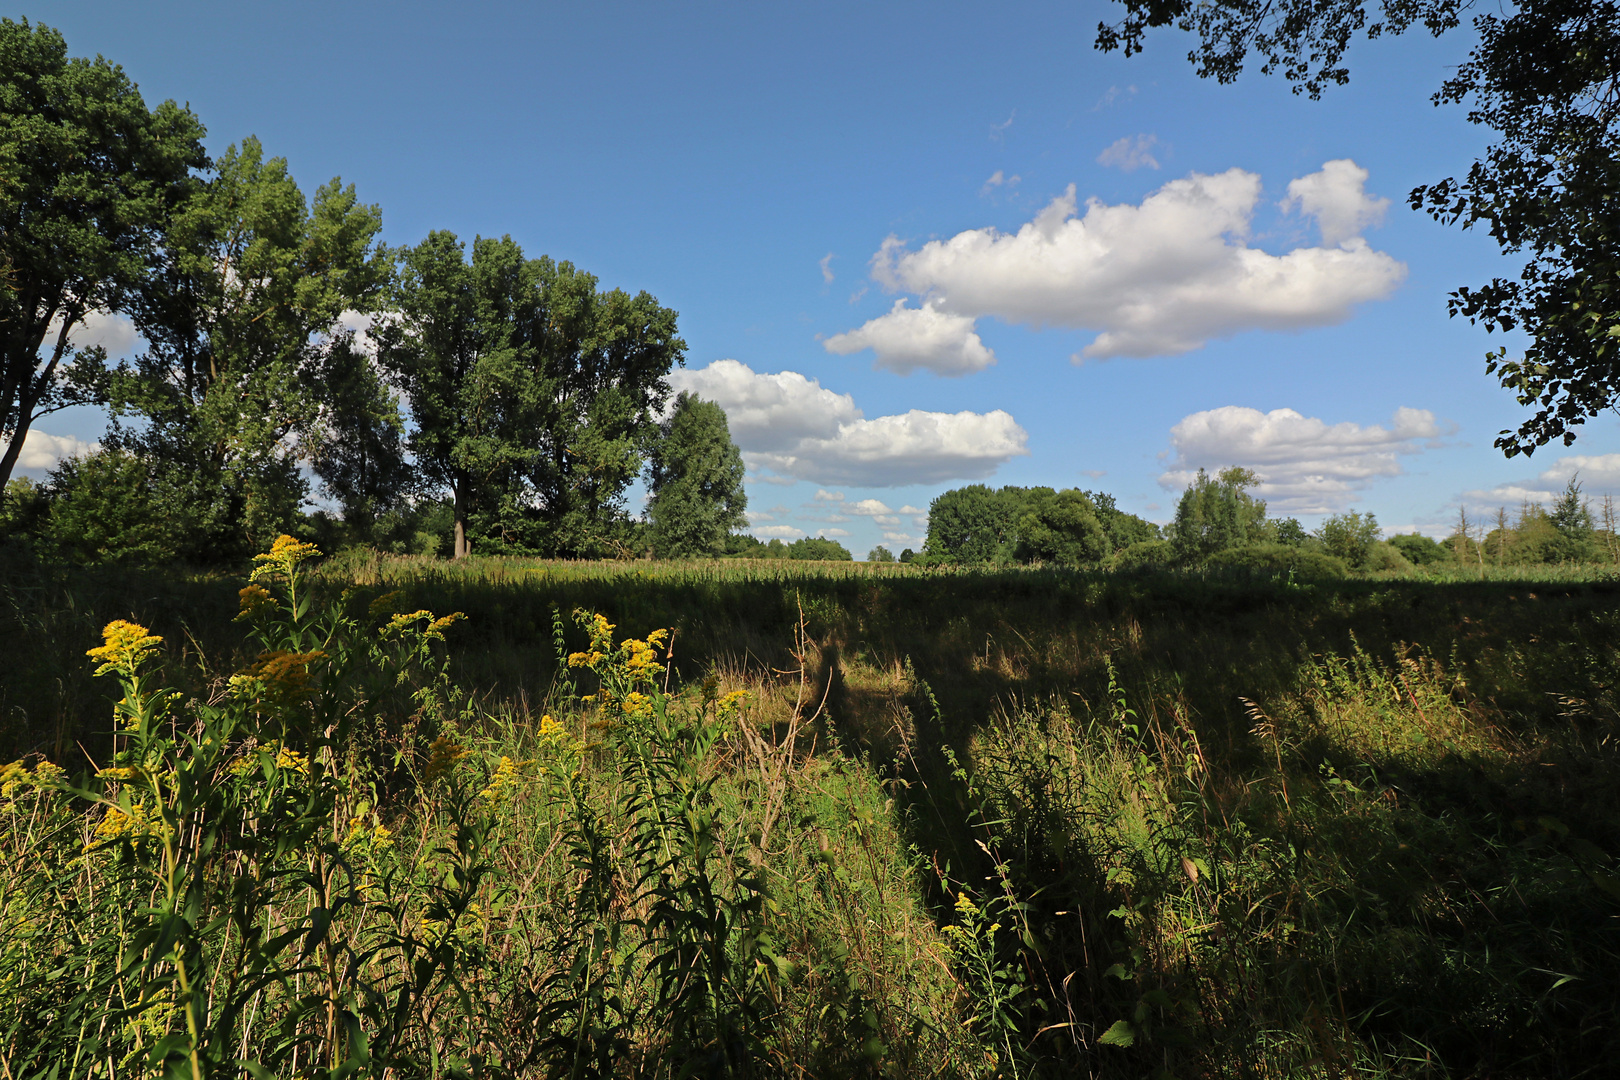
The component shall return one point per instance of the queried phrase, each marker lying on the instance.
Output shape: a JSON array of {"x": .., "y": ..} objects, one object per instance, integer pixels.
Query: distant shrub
[
  {"x": 1279, "y": 559},
  {"x": 1382, "y": 558},
  {"x": 1143, "y": 556},
  {"x": 1420, "y": 550},
  {"x": 816, "y": 547},
  {"x": 1349, "y": 537}
]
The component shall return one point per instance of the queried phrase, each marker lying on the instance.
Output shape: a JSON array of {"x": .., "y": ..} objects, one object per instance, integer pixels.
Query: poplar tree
[
  {"x": 697, "y": 482},
  {"x": 532, "y": 393},
  {"x": 241, "y": 320},
  {"x": 88, "y": 177}
]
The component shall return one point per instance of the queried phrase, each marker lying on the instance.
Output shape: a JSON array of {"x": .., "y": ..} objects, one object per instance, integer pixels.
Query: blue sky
[{"x": 784, "y": 175}]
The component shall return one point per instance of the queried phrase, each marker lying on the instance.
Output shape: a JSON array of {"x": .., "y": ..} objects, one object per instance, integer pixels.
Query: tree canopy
[
  {"x": 696, "y": 481},
  {"x": 240, "y": 317},
  {"x": 532, "y": 393},
  {"x": 88, "y": 177},
  {"x": 978, "y": 524},
  {"x": 1545, "y": 77}
]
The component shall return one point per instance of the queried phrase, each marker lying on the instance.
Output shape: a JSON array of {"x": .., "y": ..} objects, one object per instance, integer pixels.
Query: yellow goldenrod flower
[
  {"x": 437, "y": 627},
  {"x": 384, "y": 604},
  {"x": 14, "y": 776},
  {"x": 125, "y": 646},
  {"x": 280, "y": 675},
  {"x": 443, "y": 753},
  {"x": 292, "y": 759},
  {"x": 253, "y": 599},
  {"x": 283, "y": 557},
  {"x": 504, "y": 778},
  {"x": 116, "y": 772}
]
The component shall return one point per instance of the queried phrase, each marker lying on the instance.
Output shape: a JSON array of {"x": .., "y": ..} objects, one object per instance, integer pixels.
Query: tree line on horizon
[
  {"x": 1219, "y": 524},
  {"x": 495, "y": 400}
]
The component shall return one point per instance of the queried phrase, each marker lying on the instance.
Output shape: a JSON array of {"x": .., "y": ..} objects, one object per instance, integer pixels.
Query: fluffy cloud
[
  {"x": 908, "y": 338},
  {"x": 42, "y": 452},
  {"x": 1305, "y": 465},
  {"x": 1158, "y": 278},
  {"x": 1599, "y": 474},
  {"x": 108, "y": 329},
  {"x": 1130, "y": 153},
  {"x": 778, "y": 532},
  {"x": 826, "y": 268},
  {"x": 1336, "y": 197},
  {"x": 795, "y": 428},
  {"x": 768, "y": 412}
]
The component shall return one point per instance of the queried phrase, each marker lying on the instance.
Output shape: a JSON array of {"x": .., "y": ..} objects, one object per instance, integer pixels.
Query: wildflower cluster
[
  {"x": 443, "y": 753},
  {"x": 503, "y": 779},
  {"x": 125, "y": 647},
  {"x": 279, "y": 675},
  {"x": 627, "y": 670},
  {"x": 283, "y": 557},
  {"x": 253, "y": 599},
  {"x": 15, "y": 778},
  {"x": 399, "y": 625}
]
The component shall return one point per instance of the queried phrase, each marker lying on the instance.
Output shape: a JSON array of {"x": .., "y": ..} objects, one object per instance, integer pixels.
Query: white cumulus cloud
[
  {"x": 909, "y": 338},
  {"x": 768, "y": 412},
  {"x": 1337, "y": 198},
  {"x": 42, "y": 452},
  {"x": 793, "y": 427},
  {"x": 1598, "y": 475},
  {"x": 1305, "y": 465},
  {"x": 1158, "y": 278},
  {"x": 1130, "y": 153}
]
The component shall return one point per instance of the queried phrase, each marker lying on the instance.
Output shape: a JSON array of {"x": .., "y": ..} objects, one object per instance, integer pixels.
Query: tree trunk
[{"x": 463, "y": 548}]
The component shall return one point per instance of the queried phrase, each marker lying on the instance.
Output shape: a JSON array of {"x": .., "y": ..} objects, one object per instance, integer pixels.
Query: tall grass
[{"x": 842, "y": 823}]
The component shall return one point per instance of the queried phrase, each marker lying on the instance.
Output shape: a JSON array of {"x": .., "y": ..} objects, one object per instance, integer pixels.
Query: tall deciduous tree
[
  {"x": 1545, "y": 77},
  {"x": 241, "y": 319},
  {"x": 1217, "y": 513},
  {"x": 697, "y": 481},
  {"x": 531, "y": 392},
  {"x": 88, "y": 176}
]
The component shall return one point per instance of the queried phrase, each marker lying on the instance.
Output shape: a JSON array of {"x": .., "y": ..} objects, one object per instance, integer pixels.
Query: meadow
[{"x": 790, "y": 819}]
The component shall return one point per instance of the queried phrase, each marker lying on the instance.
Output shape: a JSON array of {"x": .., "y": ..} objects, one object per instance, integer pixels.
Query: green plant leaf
[{"x": 1120, "y": 1033}]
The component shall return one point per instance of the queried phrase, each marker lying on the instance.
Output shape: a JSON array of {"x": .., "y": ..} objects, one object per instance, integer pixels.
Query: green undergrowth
[{"x": 832, "y": 821}]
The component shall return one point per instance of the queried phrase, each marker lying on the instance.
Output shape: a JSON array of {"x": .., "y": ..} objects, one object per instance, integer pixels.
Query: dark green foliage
[
  {"x": 974, "y": 524},
  {"x": 358, "y": 447},
  {"x": 1216, "y": 514},
  {"x": 1570, "y": 515},
  {"x": 818, "y": 548},
  {"x": 1349, "y": 537},
  {"x": 89, "y": 177},
  {"x": 22, "y": 507},
  {"x": 1123, "y": 529},
  {"x": 113, "y": 507},
  {"x": 531, "y": 392},
  {"x": 1061, "y": 528},
  {"x": 880, "y": 554},
  {"x": 696, "y": 482},
  {"x": 238, "y": 319},
  {"x": 977, "y": 525},
  {"x": 806, "y": 549},
  {"x": 1287, "y": 531},
  {"x": 1278, "y": 559},
  {"x": 1420, "y": 550},
  {"x": 1146, "y": 555}
]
